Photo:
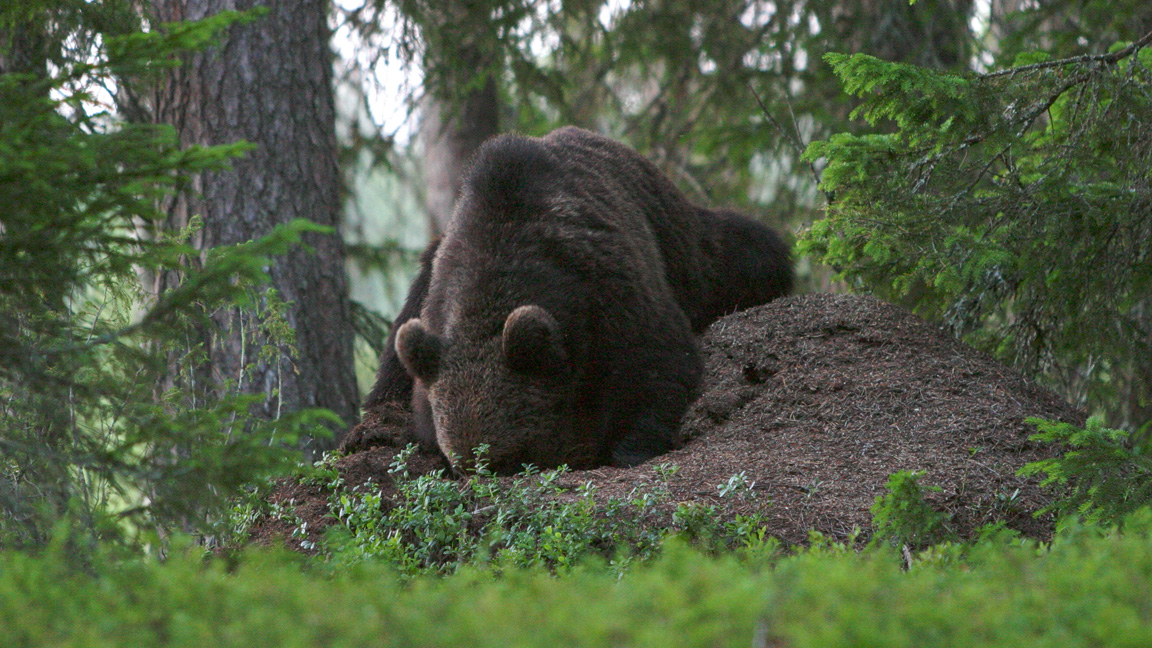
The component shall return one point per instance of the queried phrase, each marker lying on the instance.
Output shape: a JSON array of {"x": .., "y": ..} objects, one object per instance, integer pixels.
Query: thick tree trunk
[
  {"x": 269, "y": 82},
  {"x": 40, "y": 484},
  {"x": 23, "y": 50}
]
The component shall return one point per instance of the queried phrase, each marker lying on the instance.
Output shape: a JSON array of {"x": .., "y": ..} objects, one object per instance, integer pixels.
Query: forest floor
[{"x": 810, "y": 402}]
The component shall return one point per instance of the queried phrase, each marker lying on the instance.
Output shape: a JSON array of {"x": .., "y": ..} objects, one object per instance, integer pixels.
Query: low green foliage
[
  {"x": 1085, "y": 589},
  {"x": 901, "y": 516},
  {"x": 437, "y": 525},
  {"x": 1104, "y": 476}
]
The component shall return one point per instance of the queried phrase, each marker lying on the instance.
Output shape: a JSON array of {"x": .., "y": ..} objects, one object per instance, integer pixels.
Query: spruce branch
[
  {"x": 792, "y": 137},
  {"x": 1107, "y": 59}
]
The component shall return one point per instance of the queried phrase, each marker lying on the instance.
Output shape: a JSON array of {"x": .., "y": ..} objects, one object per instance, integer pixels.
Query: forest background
[{"x": 212, "y": 208}]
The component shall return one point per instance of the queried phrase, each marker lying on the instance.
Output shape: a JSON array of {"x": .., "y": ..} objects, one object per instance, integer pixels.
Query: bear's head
[{"x": 515, "y": 392}]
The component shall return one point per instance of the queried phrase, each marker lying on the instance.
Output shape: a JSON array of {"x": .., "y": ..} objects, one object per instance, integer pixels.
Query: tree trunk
[
  {"x": 932, "y": 34},
  {"x": 451, "y": 133},
  {"x": 23, "y": 50},
  {"x": 36, "y": 482},
  {"x": 269, "y": 82},
  {"x": 461, "y": 106}
]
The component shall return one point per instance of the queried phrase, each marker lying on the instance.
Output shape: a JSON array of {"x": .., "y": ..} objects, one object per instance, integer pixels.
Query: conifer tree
[
  {"x": 1017, "y": 204},
  {"x": 86, "y": 450}
]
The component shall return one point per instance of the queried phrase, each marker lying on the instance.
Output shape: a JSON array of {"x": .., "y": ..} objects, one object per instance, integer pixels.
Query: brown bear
[{"x": 555, "y": 321}]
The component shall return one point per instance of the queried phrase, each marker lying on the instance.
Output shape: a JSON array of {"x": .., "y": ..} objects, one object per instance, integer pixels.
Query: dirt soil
[{"x": 816, "y": 399}]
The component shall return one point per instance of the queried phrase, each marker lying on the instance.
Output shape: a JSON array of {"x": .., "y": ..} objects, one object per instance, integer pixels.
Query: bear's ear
[
  {"x": 419, "y": 350},
  {"x": 532, "y": 342}
]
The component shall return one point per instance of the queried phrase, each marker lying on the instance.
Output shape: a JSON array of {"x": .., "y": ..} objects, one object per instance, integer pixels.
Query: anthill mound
[{"x": 814, "y": 401}]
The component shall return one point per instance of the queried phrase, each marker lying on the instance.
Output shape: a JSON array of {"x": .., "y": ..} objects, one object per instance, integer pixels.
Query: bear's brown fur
[{"x": 555, "y": 320}]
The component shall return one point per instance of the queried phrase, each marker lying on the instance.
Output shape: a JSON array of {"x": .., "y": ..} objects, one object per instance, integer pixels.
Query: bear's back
[{"x": 602, "y": 203}]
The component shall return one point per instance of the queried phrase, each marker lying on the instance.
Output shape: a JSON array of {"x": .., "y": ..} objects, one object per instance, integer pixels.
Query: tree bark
[
  {"x": 461, "y": 106},
  {"x": 23, "y": 50},
  {"x": 451, "y": 133},
  {"x": 932, "y": 34},
  {"x": 269, "y": 82}
]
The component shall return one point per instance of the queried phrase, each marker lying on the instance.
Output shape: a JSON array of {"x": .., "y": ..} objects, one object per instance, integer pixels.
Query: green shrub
[
  {"x": 1011, "y": 205},
  {"x": 1103, "y": 475},
  {"x": 436, "y": 524},
  {"x": 901, "y": 516},
  {"x": 1085, "y": 589},
  {"x": 431, "y": 524}
]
